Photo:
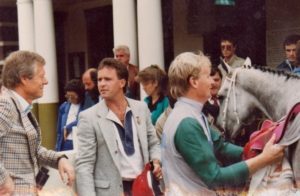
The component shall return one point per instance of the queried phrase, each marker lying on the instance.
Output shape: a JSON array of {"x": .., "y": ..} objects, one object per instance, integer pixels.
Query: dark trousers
[{"x": 127, "y": 187}]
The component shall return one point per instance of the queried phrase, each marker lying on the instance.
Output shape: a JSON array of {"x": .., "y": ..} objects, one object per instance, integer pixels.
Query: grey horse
[{"x": 248, "y": 89}]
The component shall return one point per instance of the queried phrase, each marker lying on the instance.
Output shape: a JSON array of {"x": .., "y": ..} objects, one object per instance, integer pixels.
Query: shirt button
[{"x": 116, "y": 152}]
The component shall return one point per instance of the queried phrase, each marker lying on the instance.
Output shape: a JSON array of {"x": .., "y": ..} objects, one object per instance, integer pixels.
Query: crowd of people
[{"x": 174, "y": 127}]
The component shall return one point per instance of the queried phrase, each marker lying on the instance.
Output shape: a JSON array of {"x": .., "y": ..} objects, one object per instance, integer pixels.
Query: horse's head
[{"x": 236, "y": 104}]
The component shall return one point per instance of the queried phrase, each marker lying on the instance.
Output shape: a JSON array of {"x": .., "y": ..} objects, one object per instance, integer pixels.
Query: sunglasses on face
[
  {"x": 71, "y": 96},
  {"x": 227, "y": 47}
]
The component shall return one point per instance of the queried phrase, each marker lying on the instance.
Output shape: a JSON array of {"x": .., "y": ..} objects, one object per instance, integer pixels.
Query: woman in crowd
[
  {"x": 212, "y": 106},
  {"x": 154, "y": 81},
  {"x": 68, "y": 114}
]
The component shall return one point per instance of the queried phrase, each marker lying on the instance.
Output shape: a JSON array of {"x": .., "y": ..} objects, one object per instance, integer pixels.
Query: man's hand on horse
[{"x": 273, "y": 152}]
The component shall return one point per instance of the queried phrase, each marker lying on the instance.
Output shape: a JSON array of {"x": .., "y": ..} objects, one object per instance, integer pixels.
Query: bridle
[
  {"x": 232, "y": 89},
  {"x": 232, "y": 84}
]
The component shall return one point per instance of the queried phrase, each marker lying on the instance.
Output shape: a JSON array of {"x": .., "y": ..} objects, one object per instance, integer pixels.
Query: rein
[{"x": 232, "y": 82}]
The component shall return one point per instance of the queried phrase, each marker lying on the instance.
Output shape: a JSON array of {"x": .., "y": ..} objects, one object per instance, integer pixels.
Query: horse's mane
[{"x": 288, "y": 75}]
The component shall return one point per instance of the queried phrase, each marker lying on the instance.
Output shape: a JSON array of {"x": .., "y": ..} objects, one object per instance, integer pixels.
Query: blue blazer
[{"x": 61, "y": 123}]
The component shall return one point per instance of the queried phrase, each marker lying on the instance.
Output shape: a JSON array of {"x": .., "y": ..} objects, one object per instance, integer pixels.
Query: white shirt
[
  {"x": 130, "y": 166},
  {"x": 25, "y": 106},
  {"x": 211, "y": 101},
  {"x": 72, "y": 116}
]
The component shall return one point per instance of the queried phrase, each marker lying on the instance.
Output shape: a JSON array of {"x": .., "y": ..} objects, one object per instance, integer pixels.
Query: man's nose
[
  {"x": 101, "y": 83},
  {"x": 45, "y": 81}
]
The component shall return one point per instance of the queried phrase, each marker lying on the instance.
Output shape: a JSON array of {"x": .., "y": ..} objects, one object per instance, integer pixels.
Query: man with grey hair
[
  {"x": 21, "y": 153},
  {"x": 191, "y": 149},
  {"x": 122, "y": 54}
]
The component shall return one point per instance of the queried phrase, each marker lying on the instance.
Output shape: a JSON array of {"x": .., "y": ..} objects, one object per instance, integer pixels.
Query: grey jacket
[{"x": 97, "y": 162}]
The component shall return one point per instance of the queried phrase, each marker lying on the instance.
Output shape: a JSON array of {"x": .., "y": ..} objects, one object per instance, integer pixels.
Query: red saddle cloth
[{"x": 259, "y": 138}]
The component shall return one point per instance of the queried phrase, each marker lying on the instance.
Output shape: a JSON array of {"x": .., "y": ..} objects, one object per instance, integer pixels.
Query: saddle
[{"x": 259, "y": 138}]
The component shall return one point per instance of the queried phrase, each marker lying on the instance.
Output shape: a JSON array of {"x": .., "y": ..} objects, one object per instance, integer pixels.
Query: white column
[
  {"x": 124, "y": 21},
  {"x": 150, "y": 33},
  {"x": 45, "y": 46},
  {"x": 25, "y": 25}
]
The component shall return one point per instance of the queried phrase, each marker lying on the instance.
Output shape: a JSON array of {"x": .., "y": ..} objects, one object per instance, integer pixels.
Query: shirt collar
[
  {"x": 112, "y": 116},
  {"x": 194, "y": 104},
  {"x": 211, "y": 99},
  {"x": 25, "y": 106},
  {"x": 232, "y": 59}
]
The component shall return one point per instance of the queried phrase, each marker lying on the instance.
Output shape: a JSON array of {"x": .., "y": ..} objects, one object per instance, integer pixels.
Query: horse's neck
[{"x": 274, "y": 93}]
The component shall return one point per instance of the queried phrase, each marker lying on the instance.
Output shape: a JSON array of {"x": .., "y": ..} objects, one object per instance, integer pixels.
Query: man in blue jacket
[{"x": 289, "y": 46}]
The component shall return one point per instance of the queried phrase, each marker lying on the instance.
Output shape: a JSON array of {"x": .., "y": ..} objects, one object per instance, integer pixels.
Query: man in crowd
[
  {"x": 228, "y": 48},
  {"x": 89, "y": 80},
  {"x": 21, "y": 153},
  {"x": 289, "y": 46},
  {"x": 116, "y": 137},
  {"x": 122, "y": 54}
]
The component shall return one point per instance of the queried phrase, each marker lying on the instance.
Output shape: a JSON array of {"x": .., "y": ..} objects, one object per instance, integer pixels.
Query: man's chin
[{"x": 39, "y": 95}]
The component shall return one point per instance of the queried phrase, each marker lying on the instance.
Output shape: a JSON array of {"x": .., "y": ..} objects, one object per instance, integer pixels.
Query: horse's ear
[
  {"x": 247, "y": 63},
  {"x": 225, "y": 66}
]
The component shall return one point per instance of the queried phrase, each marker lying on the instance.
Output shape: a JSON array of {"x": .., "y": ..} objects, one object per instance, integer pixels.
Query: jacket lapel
[
  {"x": 32, "y": 134},
  {"x": 140, "y": 125},
  {"x": 108, "y": 131}
]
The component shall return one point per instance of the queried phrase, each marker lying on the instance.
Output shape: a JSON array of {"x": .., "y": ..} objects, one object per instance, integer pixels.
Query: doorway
[{"x": 99, "y": 23}]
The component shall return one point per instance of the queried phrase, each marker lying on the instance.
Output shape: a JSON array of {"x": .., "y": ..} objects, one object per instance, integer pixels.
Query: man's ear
[
  {"x": 24, "y": 80},
  {"x": 193, "y": 82},
  {"x": 122, "y": 82}
]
